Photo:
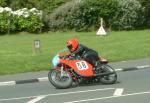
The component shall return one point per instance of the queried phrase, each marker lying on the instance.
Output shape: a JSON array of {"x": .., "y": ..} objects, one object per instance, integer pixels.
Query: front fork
[{"x": 62, "y": 71}]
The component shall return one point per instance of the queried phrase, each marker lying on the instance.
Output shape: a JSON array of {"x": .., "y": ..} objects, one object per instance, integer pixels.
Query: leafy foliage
[
  {"x": 3, "y": 3},
  {"x": 45, "y": 5},
  {"x": 20, "y": 20},
  {"x": 82, "y": 15},
  {"x": 146, "y": 5},
  {"x": 129, "y": 15},
  {"x": 3, "y": 24}
]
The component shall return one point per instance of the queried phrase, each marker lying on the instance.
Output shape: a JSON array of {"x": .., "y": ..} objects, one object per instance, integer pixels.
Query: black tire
[
  {"x": 106, "y": 78},
  {"x": 56, "y": 80}
]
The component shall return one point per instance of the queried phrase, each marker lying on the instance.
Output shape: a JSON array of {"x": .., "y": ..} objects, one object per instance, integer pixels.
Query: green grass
[{"x": 16, "y": 54}]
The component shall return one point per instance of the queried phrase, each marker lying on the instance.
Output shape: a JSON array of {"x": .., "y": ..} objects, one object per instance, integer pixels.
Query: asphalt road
[{"x": 132, "y": 87}]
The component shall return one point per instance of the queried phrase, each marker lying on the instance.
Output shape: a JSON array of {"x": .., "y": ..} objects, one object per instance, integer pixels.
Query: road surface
[{"x": 132, "y": 87}]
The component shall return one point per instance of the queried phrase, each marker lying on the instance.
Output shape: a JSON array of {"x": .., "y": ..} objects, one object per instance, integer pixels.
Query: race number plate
[{"x": 82, "y": 65}]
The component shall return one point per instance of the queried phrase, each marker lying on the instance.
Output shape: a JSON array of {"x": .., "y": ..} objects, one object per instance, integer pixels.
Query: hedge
[
  {"x": 84, "y": 15},
  {"x": 77, "y": 15},
  {"x": 20, "y": 20},
  {"x": 128, "y": 16}
]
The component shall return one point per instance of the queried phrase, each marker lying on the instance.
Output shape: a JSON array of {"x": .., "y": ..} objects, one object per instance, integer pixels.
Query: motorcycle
[{"x": 68, "y": 69}]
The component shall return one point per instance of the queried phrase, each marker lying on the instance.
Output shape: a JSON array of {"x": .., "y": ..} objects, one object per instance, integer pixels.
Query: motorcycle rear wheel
[
  {"x": 110, "y": 78},
  {"x": 59, "y": 82}
]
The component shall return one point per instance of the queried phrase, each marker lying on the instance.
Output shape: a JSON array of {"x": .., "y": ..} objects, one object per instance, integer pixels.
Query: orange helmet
[{"x": 72, "y": 44}]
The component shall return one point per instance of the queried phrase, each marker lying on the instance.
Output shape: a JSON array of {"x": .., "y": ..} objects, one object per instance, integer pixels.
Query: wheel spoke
[
  {"x": 58, "y": 81},
  {"x": 108, "y": 79}
]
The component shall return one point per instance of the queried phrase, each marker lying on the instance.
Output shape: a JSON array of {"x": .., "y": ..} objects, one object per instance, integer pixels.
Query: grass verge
[{"x": 16, "y": 54}]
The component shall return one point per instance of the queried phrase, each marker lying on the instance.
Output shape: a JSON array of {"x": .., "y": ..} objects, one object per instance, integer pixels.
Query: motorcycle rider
[{"x": 89, "y": 55}]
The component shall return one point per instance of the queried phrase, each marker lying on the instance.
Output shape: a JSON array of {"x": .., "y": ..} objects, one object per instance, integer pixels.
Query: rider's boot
[{"x": 97, "y": 67}]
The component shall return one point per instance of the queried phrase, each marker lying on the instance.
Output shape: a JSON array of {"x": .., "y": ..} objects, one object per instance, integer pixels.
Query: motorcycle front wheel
[
  {"x": 58, "y": 81},
  {"x": 111, "y": 77}
]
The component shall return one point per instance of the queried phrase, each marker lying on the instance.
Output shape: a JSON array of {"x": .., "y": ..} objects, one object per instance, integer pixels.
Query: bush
[
  {"x": 146, "y": 5},
  {"x": 82, "y": 16},
  {"x": 58, "y": 19},
  {"x": 3, "y": 3},
  {"x": 45, "y": 5},
  {"x": 28, "y": 20},
  {"x": 20, "y": 20},
  {"x": 85, "y": 15},
  {"x": 5, "y": 24},
  {"x": 105, "y": 9},
  {"x": 129, "y": 15}
]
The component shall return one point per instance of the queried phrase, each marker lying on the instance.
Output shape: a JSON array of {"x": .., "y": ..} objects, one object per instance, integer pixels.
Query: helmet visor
[{"x": 69, "y": 47}]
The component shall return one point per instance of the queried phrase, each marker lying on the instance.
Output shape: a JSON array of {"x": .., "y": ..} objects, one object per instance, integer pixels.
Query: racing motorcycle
[{"x": 68, "y": 70}]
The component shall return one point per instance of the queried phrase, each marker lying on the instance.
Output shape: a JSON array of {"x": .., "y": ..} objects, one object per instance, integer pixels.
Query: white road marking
[
  {"x": 141, "y": 67},
  {"x": 118, "y": 92},
  {"x": 57, "y": 94},
  {"x": 36, "y": 99},
  {"x": 85, "y": 91},
  {"x": 18, "y": 98},
  {"x": 7, "y": 83},
  {"x": 103, "y": 98},
  {"x": 43, "y": 79},
  {"x": 119, "y": 69},
  {"x": 123, "y": 61}
]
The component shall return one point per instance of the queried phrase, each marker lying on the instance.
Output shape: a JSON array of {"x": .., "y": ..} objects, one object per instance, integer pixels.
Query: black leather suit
[{"x": 89, "y": 55}]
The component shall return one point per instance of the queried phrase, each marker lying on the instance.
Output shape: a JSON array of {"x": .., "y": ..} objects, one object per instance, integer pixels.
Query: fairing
[{"x": 80, "y": 67}]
